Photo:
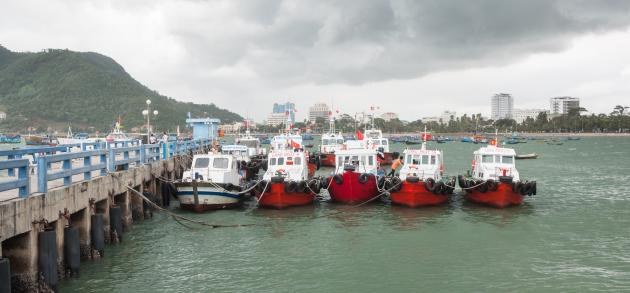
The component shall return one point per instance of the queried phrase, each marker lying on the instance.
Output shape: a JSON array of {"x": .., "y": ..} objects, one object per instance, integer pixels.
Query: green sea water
[{"x": 574, "y": 236}]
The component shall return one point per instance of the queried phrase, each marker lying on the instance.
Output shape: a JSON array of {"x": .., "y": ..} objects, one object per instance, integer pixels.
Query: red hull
[
  {"x": 277, "y": 198},
  {"x": 328, "y": 160},
  {"x": 311, "y": 169},
  {"x": 200, "y": 208},
  {"x": 500, "y": 198},
  {"x": 416, "y": 195},
  {"x": 351, "y": 191},
  {"x": 387, "y": 160}
]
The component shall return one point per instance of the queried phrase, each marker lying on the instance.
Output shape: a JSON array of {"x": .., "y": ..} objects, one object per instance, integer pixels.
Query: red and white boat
[
  {"x": 421, "y": 182},
  {"x": 495, "y": 181},
  {"x": 355, "y": 178},
  {"x": 374, "y": 140},
  {"x": 286, "y": 181},
  {"x": 331, "y": 143}
]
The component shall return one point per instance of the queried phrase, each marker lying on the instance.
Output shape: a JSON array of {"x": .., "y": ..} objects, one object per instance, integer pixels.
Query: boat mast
[{"x": 424, "y": 138}]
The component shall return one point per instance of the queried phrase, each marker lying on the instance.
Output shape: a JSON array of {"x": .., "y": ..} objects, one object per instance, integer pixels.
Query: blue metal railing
[
  {"x": 67, "y": 171},
  {"x": 103, "y": 157},
  {"x": 23, "y": 181}
]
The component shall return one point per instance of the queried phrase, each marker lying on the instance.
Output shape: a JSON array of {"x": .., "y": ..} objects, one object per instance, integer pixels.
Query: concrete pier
[{"x": 22, "y": 219}]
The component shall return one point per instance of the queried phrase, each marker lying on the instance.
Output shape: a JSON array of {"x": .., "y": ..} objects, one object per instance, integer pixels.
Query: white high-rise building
[
  {"x": 561, "y": 105},
  {"x": 446, "y": 116},
  {"x": 389, "y": 116},
  {"x": 275, "y": 119},
  {"x": 502, "y": 106},
  {"x": 319, "y": 110},
  {"x": 520, "y": 115}
]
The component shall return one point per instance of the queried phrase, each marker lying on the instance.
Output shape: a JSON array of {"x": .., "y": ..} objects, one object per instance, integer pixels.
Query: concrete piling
[
  {"x": 71, "y": 251},
  {"x": 5, "y": 275},
  {"x": 47, "y": 260},
  {"x": 115, "y": 224}
]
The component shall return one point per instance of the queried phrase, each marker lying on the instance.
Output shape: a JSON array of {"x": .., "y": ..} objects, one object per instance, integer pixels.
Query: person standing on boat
[
  {"x": 165, "y": 137},
  {"x": 397, "y": 163}
]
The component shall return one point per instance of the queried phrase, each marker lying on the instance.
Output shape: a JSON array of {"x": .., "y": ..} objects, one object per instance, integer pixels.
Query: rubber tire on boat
[
  {"x": 324, "y": 184},
  {"x": 505, "y": 179},
  {"x": 396, "y": 184},
  {"x": 527, "y": 188},
  {"x": 412, "y": 179},
  {"x": 290, "y": 187},
  {"x": 438, "y": 187},
  {"x": 483, "y": 186},
  {"x": 462, "y": 181},
  {"x": 338, "y": 179},
  {"x": 381, "y": 182},
  {"x": 228, "y": 186},
  {"x": 301, "y": 187},
  {"x": 492, "y": 186},
  {"x": 314, "y": 186},
  {"x": 348, "y": 168},
  {"x": 363, "y": 178},
  {"x": 444, "y": 188},
  {"x": 277, "y": 179},
  {"x": 534, "y": 188},
  {"x": 264, "y": 165},
  {"x": 319, "y": 163},
  {"x": 429, "y": 184},
  {"x": 516, "y": 187}
]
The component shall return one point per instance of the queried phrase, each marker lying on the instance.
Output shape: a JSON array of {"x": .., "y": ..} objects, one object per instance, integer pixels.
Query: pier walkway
[{"x": 81, "y": 188}]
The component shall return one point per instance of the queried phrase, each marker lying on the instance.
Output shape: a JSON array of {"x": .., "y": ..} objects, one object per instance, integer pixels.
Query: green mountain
[{"x": 57, "y": 88}]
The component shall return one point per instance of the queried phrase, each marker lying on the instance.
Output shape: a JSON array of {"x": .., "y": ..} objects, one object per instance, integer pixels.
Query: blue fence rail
[{"x": 96, "y": 156}]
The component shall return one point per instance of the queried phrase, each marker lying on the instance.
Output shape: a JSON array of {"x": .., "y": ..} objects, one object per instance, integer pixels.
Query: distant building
[
  {"x": 430, "y": 119},
  {"x": 3, "y": 115},
  {"x": 447, "y": 116},
  {"x": 520, "y": 115},
  {"x": 283, "y": 108},
  {"x": 389, "y": 116},
  {"x": 562, "y": 105},
  {"x": 275, "y": 119},
  {"x": 319, "y": 110},
  {"x": 502, "y": 106}
]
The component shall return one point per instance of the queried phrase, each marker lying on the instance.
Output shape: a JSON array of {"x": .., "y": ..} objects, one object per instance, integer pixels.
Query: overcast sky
[{"x": 415, "y": 58}]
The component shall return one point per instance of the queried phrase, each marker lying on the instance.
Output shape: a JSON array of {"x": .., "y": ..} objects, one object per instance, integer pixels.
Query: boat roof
[
  {"x": 234, "y": 147},
  {"x": 331, "y": 135},
  {"x": 494, "y": 150},
  {"x": 350, "y": 152},
  {"x": 421, "y": 152},
  {"x": 284, "y": 153},
  {"x": 213, "y": 156}
]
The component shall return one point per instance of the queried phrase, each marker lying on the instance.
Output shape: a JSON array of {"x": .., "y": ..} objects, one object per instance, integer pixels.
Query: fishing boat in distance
[
  {"x": 494, "y": 180},
  {"x": 10, "y": 138},
  {"x": 117, "y": 134},
  {"x": 80, "y": 137},
  {"x": 527, "y": 156},
  {"x": 420, "y": 182},
  {"x": 354, "y": 180},
  {"x": 253, "y": 144},
  {"x": 213, "y": 182}
]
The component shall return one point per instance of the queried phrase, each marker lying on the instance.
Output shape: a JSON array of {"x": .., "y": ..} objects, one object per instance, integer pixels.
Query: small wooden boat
[{"x": 527, "y": 156}]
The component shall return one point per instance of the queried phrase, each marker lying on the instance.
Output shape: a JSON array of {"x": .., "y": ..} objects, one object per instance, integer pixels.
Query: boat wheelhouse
[
  {"x": 374, "y": 140},
  {"x": 495, "y": 181},
  {"x": 240, "y": 152},
  {"x": 330, "y": 144},
  {"x": 214, "y": 181},
  {"x": 253, "y": 145}
]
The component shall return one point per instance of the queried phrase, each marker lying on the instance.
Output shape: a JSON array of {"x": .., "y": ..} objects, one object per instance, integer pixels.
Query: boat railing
[
  {"x": 68, "y": 169},
  {"x": 61, "y": 162}
]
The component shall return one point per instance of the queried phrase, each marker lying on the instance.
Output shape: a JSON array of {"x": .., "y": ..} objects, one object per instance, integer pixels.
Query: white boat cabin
[
  {"x": 354, "y": 153},
  {"x": 422, "y": 163},
  {"x": 491, "y": 162},
  {"x": 218, "y": 168},
  {"x": 331, "y": 143},
  {"x": 375, "y": 140},
  {"x": 240, "y": 152},
  {"x": 253, "y": 145},
  {"x": 291, "y": 164}
]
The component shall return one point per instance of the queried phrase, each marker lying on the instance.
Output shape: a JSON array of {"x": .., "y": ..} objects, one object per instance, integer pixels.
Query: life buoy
[
  {"x": 363, "y": 178},
  {"x": 429, "y": 184},
  {"x": 412, "y": 179},
  {"x": 281, "y": 172},
  {"x": 290, "y": 187},
  {"x": 338, "y": 179}
]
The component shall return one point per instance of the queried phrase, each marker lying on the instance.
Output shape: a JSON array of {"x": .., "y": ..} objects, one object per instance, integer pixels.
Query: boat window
[
  {"x": 289, "y": 160},
  {"x": 486, "y": 159},
  {"x": 376, "y": 142},
  {"x": 409, "y": 158},
  {"x": 220, "y": 163},
  {"x": 202, "y": 162},
  {"x": 384, "y": 142},
  {"x": 272, "y": 162},
  {"x": 425, "y": 159},
  {"x": 508, "y": 160},
  {"x": 297, "y": 161},
  {"x": 340, "y": 141},
  {"x": 371, "y": 160},
  {"x": 280, "y": 161},
  {"x": 432, "y": 160},
  {"x": 325, "y": 141},
  {"x": 497, "y": 159}
]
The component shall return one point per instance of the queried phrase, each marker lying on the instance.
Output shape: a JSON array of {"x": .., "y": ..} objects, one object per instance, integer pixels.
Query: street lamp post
[{"x": 147, "y": 113}]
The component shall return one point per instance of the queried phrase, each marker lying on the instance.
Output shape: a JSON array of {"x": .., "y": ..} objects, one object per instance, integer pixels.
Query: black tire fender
[
  {"x": 301, "y": 187},
  {"x": 429, "y": 184},
  {"x": 363, "y": 178},
  {"x": 290, "y": 187},
  {"x": 338, "y": 179},
  {"x": 492, "y": 185}
]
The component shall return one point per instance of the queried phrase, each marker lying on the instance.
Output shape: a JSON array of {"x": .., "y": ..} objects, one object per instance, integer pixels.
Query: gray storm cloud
[{"x": 356, "y": 42}]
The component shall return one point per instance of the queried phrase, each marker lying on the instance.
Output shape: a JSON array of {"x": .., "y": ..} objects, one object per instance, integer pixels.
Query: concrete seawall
[{"x": 23, "y": 220}]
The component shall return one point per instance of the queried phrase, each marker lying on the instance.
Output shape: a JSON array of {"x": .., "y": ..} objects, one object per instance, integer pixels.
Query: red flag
[
  {"x": 359, "y": 135},
  {"x": 295, "y": 145}
]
